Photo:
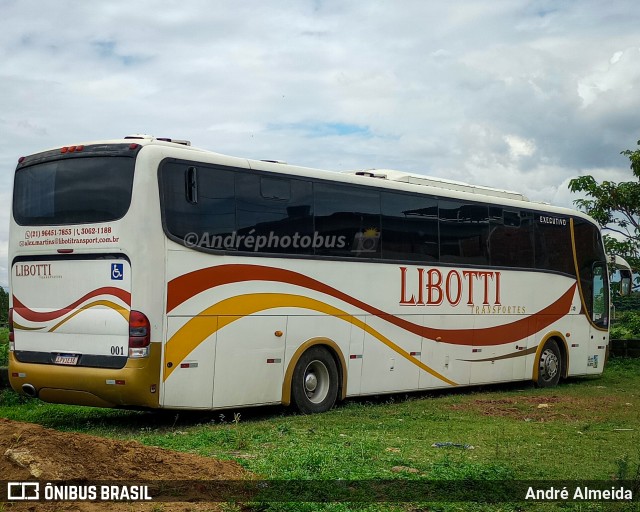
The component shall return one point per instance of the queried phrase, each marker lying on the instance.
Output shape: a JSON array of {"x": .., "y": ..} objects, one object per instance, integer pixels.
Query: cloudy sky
[{"x": 520, "y": 95}]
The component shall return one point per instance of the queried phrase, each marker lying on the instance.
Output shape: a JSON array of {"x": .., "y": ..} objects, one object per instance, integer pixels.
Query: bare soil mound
[{"x": 31, "y": 452}]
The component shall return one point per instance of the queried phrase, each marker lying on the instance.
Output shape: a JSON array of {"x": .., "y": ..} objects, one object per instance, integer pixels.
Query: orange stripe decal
[
  {"x": 35, "y": 316},
  {"x": 107, "y": 303},
  {"x": 188, "y": 285},
  {"x": 214, "y": 318},
  {"x": 19, "y": 327}
]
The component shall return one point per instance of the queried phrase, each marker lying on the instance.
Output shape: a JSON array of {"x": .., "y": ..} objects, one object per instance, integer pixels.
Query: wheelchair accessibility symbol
[{"x": 117, "y": 271}]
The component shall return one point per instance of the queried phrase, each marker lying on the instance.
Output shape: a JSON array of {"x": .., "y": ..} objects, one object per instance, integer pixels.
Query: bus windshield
[{"x": 73, "y": 191}]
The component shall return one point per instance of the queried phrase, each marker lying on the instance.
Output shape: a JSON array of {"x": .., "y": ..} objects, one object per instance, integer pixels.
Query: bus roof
[
  {"x": 380, "y": 178},
  {"x": 431, "y": 181}
]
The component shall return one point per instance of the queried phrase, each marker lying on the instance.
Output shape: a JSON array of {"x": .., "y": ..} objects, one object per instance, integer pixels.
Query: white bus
[{"x": 148, "y": 273}]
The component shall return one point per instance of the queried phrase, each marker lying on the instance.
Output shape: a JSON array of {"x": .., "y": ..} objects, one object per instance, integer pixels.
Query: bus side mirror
[{"x": 625, "y": 285}]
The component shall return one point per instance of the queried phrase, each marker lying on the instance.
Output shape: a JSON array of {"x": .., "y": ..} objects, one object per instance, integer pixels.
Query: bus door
[
  {"x": 505, "y": 360},
  {"x": 599, "y": 336},
  {"x": 249, "y": 360},
  {"x": 446, "y": 355},
  {"x": 188, "y": 373},
  {"x": 384, "y": 367},
  {"x": 230, "y": 361},
  {"x": 356, "y": 350}
]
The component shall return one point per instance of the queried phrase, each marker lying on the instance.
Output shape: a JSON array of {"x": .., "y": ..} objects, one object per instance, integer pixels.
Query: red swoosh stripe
[
  {"x": 188, "y": 285},
  {"x": 35, "y": 316}
]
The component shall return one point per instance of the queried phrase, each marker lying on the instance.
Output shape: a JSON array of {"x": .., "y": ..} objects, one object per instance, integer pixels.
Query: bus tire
[
  {"x": 549, "y": 365},
  {"x": 314, "y": 385}
]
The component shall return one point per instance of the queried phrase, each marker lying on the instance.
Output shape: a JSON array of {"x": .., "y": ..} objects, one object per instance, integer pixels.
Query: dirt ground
[
  {"x": 30, "y": 452},
  {"x": 547, "y": 408}
]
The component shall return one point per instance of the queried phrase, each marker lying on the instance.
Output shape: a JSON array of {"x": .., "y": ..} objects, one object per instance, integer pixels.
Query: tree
[
  {"x": 616, "y": 207},
  {"x": 4, "y": 306}
]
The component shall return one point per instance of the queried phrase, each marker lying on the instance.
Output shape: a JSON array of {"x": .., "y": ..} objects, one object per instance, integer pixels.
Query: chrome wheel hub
[
  {"x": 316, "y": 381},
  {"x": 549, "y": 364},
  {"x": 310, "y": 382}
]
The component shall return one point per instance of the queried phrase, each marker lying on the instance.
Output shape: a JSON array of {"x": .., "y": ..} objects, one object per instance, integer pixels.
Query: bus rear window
[{"x": 73, "y": 191}]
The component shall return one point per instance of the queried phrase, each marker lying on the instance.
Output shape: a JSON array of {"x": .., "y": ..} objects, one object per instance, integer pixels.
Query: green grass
[{"x": 585, "y": 429}]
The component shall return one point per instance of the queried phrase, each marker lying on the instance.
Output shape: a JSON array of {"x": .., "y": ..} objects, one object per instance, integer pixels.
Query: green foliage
[
  {"x": 626, "y": 326},
  {"x": 627, "y": 303},
  {"x": 616, "y": 207},
  {"x": 4, "y": 346},
  {"x": 627, "y": 469},
  {"x": 626, "y": 323},
  {"x": 4, "y": 306},
  {"x": 9, "y": 398},
  {"x": 4, "y": 354},
  {"x": 634, "y": 158}
]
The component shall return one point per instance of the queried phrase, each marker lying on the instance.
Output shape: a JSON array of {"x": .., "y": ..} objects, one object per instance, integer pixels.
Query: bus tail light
[
  {"x": 139, "y": 334},
  {"x": 71, "y": 149},
  {"x": 12, "y": 343}
]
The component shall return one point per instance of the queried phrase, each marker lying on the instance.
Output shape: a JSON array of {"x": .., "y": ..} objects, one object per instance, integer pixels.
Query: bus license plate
[{"x": 68, "y": 359}]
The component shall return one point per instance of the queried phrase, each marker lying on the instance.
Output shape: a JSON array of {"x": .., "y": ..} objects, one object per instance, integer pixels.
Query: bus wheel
[
  {"x": 314, "y": 386},
  {"x": 549, "y": 365}
]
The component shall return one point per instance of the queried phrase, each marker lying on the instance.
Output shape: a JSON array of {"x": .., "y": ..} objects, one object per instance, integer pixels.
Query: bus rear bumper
[{"x": 135, "y": 385}]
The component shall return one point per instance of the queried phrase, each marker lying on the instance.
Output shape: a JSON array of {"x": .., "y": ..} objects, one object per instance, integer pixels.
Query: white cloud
[
  {"x": 519, "y": 147},
  {"x": 512, "y": 94},
  {"x": 621, "y": 75},
  {"x": 4, "y": 237}
]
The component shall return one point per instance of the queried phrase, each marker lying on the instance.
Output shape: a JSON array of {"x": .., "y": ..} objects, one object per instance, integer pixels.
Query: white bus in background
[{"x": 148, "y": 273}]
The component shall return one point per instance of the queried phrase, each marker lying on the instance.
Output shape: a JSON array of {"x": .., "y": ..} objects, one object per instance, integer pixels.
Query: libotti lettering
[
  {"x": 33, "y": 270},
  {"x": 433, "y": 287}
]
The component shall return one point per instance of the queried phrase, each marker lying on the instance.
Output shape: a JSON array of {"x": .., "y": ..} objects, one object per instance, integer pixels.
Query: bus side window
[
  {"x": 553, "y": 249},
  {"x": 464, "y": 230},
  {"x": 511, "y": 242},
  {"x": 409, "y": 227},
  {"x": 199, "y": 204},
  {"x": 275, "y": 188},
  {"x": 348, "y": 220},
  {"x": 273, "y": 215}
]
